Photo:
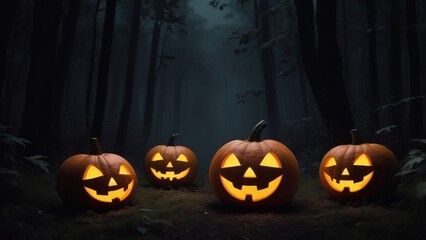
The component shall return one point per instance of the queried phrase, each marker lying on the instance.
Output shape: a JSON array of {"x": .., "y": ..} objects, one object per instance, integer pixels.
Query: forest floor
[{"x": 195, "y": 213}]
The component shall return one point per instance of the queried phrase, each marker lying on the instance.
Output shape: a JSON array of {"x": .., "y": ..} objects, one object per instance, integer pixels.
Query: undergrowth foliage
[
  {"x": 12, "y": 163},
  {"x": 414, "y": 169}
]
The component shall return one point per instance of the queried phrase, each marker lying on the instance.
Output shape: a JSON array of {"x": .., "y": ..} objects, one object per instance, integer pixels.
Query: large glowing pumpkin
[
  {"x": 359, "y": 171},
  {"x": 96, "y": 180},
  {"x": 254, "y": 173},
  {"x": 170, "y": 166}
]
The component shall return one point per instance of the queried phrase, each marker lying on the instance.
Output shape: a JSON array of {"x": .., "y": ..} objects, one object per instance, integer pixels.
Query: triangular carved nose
[
  {"x": 112, "y": 183},
  {"x": 249, "y": 173},
  {"x": 345, "y": 172},
  {"x": 169, "y": 165}
]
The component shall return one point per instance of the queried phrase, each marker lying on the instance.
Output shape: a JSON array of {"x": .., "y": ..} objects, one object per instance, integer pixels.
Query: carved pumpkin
[
  {"x": 170, "y": 166},
  {"x": 96, "y": 180},
  {"x": 254, "y": 173},
  {"x": 358, "y": 171}
]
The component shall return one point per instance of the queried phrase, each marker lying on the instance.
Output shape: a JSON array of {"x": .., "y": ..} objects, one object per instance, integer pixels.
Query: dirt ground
[{"x": 195, "y": 213}]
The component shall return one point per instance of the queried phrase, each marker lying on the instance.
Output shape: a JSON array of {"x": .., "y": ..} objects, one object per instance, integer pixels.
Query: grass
[{"x": 195, "y": 213}]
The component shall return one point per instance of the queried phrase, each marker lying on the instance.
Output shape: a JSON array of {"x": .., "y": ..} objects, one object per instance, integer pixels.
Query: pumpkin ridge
[
  {"x": 109, "y": 166},
  {"x": 350, "y": 152},
  {"x": 175, "y": 155},
  {"x": 262, "y": 148},
  {"x": 233, "y": 148},
  {"x": 245, "y": 146}
]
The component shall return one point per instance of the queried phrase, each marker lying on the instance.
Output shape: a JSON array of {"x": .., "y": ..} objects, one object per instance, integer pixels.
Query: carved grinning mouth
[
  {"x": 340, "y": 185},
  {"x": 252, "y": 190},
  {"x": 170, "y": 174},
  {"x": 120, "y": 194}
]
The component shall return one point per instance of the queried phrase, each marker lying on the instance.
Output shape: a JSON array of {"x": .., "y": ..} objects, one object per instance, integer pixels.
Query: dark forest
[{"x": 133, "y": 73}]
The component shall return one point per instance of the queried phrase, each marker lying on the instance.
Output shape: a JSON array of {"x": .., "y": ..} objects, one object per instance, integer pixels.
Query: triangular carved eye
[
  {"x": 123, "y": 170},
  {"x": 331, "y": 162},
  {"x": 270, "y": 161},
  {"x": 363, "y": 160},
  {"x": 92, "y": 172},
  {"x": 231, "y": 161},
  {"x": 182, "y": 158},
  {"x": 157, "y": 157}
]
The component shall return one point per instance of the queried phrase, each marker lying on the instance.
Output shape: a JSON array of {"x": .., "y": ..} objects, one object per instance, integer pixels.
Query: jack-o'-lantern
[
  {"x": 254, "y": 173},
  {"x": 170, "y": 166},
  {"x": 96, "y": 180},
  {"x": 359, "y": 171}
]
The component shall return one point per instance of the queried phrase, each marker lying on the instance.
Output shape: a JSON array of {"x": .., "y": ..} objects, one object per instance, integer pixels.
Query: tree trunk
[
  {"x": 7, "y": 13},
  {"x": 179, "y": 88},
  {"x": 128, "y": 94},
  {"x": 163, "y": 101},
  {"x": 37, "y": 116},
  {"x": 65, "y": 50},
  {"x": 323, "y": 66},
  {"x": 102, "y": 83},
  {"x": 180, "y": 76},
  {"x": 178, "y": 96},
  {"x": 331, "y": 95},
  {"x": 416, "y": 106},
  {"x": 268, "y": 64},
  {"x": 393, "y": 115},
  {"x": 158, "y": 7},
  {"x": 307, "y": 39},
  {"x": 151, "y": 81},
  {"x": 88, "y": 105},
  {"x": 395, "y": 56},
  {"x": 373, "y": 95},
  {"x": 303, "y": 89}
]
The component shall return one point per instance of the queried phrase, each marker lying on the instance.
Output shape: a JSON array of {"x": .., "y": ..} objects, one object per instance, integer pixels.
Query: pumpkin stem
[
  {"x": 354, "y": 133},
  {"x": 95, "y": 147},
  {"x": 172, "y": 139},
  {"x": 256, "y": 131}
]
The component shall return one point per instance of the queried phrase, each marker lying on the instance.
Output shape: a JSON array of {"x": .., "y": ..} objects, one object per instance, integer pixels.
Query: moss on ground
[{"x": 195, "y": 213}]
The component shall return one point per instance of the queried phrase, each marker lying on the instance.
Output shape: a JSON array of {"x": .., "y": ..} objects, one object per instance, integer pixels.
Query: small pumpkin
[
  {"x": 96, "y": 180},
  {"x": 254, "y": 173},
  {"x": 170, "y": 166},
  {"x": 359, "y": 171}
]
